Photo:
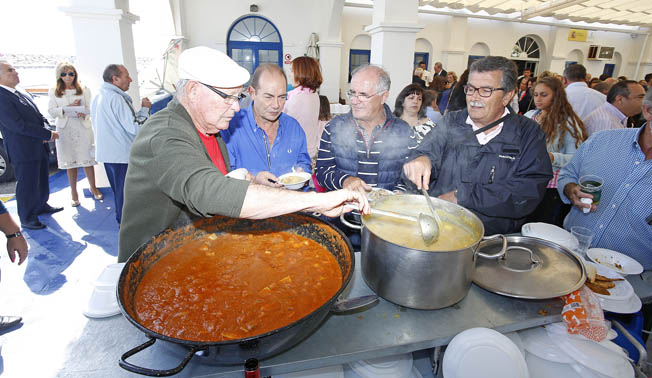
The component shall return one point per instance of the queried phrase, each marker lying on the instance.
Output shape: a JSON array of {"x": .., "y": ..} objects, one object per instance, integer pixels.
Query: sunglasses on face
[{"x": 71, "y": 74}]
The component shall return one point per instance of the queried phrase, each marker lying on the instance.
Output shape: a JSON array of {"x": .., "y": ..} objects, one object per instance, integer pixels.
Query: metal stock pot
[{"x": 417, "y": 278}]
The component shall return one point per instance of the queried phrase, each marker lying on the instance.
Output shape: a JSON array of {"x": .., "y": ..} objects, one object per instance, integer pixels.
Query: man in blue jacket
[
  {"x": 263, "y": 139},
  {"x": 24, "y": 132},
  {"x": 483, "y": 157}
]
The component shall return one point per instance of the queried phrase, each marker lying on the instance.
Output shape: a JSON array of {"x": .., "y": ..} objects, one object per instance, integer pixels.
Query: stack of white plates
[
  {"x": 621, "y": 298},
  {"x": 398, "y": 366},
  {"x": 104, "y": 302},
  {"x": 483, "y": 352},
  {"x": 553, "y": 352}
]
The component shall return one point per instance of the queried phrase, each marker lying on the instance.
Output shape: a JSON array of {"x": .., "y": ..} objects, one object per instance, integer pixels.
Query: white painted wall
[{"x": 207, "y": 23}]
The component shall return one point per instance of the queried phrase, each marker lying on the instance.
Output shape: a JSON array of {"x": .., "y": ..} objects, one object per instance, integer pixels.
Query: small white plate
[
  {"x": 551, "y": 233},
  {"x": 293, "y": 184},
  {"x": 628, "y": 306},
  {"x": 614, "y": 261},
  {"x": 623, "y": 289}
]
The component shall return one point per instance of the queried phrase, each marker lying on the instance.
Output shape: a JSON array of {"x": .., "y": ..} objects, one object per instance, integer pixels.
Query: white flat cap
[{"x": 211, "y": 67}]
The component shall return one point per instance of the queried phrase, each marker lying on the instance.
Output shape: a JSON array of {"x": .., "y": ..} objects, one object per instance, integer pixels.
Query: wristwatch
[{"x": 17, "y": 234}]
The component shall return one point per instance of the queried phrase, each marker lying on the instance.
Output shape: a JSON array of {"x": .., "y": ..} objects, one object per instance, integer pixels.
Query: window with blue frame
[
  {"x": 421, "y": 57},
  {"x": 357, "y": 58},
  {"x": 254, "y": 40}
]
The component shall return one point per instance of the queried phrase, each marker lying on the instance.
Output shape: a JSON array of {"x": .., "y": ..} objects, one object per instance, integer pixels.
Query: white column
[
  {"x": 330, "y": 56},
  {"x": 103, "y": 36},
  {"x": 393, "y": 35},
  {"x": 558, "y": 50},
  {"x": 454, "y": 54}
]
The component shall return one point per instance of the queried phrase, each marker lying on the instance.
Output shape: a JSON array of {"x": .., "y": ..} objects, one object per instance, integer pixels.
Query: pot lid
[{"x": 531, "y": 268}]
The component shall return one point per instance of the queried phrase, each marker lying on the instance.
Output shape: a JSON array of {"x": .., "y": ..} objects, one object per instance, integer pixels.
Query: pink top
[{"x": 303, "y": 105}]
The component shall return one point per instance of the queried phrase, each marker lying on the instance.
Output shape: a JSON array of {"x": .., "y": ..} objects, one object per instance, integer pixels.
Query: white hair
[{"x": 181, "y": 87}]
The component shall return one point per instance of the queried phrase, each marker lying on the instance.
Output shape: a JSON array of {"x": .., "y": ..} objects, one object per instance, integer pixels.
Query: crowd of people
[{"x": 509, "y": 148}]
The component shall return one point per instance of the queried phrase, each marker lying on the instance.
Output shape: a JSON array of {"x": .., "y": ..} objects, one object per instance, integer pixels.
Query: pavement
[{"x": 51, "y": 289}]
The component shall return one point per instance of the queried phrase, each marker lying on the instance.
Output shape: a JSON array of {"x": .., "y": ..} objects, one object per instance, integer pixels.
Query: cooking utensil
[
  {"x": 416, "y": 278},
  {"x": 531, "y": 268},
  {"x": 233, "y": 351},
  {"x": 436, "y": 226},
  {"x": 427, "y": 224}
]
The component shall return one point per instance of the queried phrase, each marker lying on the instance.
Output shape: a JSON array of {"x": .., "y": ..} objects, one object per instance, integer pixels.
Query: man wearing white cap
[{"x": 178, "y": 161}]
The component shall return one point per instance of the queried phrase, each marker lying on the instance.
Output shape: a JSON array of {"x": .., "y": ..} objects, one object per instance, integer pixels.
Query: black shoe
[
  {"x": 32, "y": 225},
  {"x": 47, "y": 209},
  {"x": 9, "y": 321}
]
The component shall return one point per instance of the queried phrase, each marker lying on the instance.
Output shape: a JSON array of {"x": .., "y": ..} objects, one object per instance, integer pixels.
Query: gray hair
[
  {"x": 384, "y": 82},
  {"x": 575, "y": 72},
  {"x": 647, "y": 100},
  {"x": 181, "y": 87},
  {"x": 621, "y": 88},
  {"x": 497, "y": 63},
  {"x": 110, "y": 71}
]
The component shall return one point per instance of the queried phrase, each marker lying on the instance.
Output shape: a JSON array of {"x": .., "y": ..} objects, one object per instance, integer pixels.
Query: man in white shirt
[
  {"x": 583, "y": 99},
  {"x": 623, "y": 100}
]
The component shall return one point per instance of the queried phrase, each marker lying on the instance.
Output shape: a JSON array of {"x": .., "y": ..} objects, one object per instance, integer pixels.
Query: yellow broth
[{"x": 453, "y": 233}]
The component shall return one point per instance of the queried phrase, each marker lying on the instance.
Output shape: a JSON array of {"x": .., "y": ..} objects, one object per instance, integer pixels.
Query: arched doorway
[
  {"x": 526, "y": 54},
  {"x": 254, "y": 40},
  {"x": 479, "y": 50}
]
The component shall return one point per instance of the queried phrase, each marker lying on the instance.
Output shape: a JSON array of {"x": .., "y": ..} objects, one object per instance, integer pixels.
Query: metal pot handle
[
  {"x": 152, "y": 372},
  {"x": 347, "y": 223},
  {"x": 497, "y": 255}
]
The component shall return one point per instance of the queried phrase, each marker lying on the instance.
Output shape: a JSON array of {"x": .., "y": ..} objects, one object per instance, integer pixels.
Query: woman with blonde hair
[
  {"x": 303, "y": 100},
  {"x": 564, "y": 131},
  {"x": 70, "y": 105}
]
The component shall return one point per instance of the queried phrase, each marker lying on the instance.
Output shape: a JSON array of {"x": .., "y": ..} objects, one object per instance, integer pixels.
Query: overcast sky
[{"x": 39, "y": 27}]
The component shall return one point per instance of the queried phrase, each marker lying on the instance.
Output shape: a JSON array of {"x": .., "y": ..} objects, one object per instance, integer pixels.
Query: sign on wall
[
  {"x": 578, "y": 35},
  {"x": 287, "y": 58}
]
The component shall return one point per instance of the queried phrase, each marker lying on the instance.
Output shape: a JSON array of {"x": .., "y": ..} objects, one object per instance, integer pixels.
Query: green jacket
[{"x": 171, "y": 179}]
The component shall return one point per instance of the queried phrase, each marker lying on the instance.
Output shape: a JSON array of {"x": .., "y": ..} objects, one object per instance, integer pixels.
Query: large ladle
[
  {"x": 437, "y": 223},
  {"x": 427, "y": 224}
]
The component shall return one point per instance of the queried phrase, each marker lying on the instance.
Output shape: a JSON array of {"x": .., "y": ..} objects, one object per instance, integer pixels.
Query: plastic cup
[
  {"x": 584, "y": 237},
  {"x": 592, "y": 184}
]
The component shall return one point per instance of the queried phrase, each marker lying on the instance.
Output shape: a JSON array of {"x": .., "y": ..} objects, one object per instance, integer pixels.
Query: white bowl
[
  {"x": 294, "y": 184},
  {"x": 609, "y": 259}
]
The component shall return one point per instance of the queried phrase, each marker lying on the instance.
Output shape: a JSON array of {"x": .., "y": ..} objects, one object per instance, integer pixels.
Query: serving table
[{"x": 381, "y": 330}]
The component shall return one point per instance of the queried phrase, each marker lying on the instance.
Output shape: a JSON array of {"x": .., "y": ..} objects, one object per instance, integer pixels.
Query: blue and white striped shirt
[
  {"x": 605, "y": 117},
  {"x": 619, "y": 222}
]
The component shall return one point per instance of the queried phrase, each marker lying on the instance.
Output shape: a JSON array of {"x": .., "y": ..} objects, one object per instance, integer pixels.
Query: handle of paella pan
[{"x": 153, "y": 372}]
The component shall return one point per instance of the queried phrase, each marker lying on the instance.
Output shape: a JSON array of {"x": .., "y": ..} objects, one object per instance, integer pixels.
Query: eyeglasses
[
  {"x": 469, "y": 90},
  {"x": 71, "y": 74},
  {"x": 361, "y": 96},
  {"x": 228, "y": 99}
]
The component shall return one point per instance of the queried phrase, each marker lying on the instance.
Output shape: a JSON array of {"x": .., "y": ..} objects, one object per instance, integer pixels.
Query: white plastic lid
[{"x": 483, "y": 352}]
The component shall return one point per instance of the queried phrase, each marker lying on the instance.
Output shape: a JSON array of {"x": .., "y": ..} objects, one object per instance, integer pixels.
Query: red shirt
[{"x": 213, "y": 149}]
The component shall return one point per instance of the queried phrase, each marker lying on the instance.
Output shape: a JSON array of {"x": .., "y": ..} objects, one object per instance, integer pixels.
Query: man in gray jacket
[{"x": 483, "y": 157}]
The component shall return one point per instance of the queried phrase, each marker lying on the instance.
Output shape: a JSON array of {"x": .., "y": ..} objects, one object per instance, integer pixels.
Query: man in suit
[
  {"x": 440, "y": 71},
  {"x": 25, "y": 133}
]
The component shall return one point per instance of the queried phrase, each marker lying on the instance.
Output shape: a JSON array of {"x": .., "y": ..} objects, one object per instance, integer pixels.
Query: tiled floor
[{"x": 50, "y": 290}]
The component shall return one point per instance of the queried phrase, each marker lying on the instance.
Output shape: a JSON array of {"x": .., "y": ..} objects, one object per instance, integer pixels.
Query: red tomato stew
[{"x": 234, "y": 286}]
